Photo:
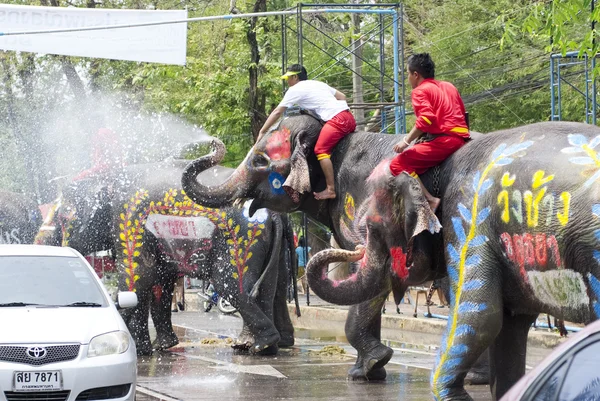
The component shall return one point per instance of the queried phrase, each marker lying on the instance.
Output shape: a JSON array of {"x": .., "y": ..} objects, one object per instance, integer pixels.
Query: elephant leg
[
  {"x": 160, "y": 309},
  {"x": 363, "y": 331},
  {"x": 508, "y": 353},
  {"x": 281, "y": 315},
  {"x": 245, "y": 339},
  {"x": 137, "y": 322},
  {"x": 480, "y": 372},
  {"x": 260, "y": 325},
  {"x": 474, "y": 322}
]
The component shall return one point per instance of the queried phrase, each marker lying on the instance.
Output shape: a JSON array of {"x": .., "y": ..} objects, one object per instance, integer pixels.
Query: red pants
[
  {"x": 422, "y": 156},
  {"x": 332, "y": 132}
]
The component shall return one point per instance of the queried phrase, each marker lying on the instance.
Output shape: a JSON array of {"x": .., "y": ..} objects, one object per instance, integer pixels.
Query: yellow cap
[{"x": 289, "y": 74}]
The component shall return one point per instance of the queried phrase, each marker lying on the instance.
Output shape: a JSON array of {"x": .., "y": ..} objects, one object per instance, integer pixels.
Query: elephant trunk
[
  {"x": 359, "y": 287},
  {"x": 235, "y": 186}
]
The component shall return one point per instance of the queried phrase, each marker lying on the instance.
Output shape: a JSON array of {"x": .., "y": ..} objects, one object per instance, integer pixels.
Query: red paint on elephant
[
  {"x": 278, "y": 145},
  {"x": 541, "y": 251},
  {"x": 399, "y": 262},
  {"x": 531, "y": 253},
  {"x": 553, "y": 245}
]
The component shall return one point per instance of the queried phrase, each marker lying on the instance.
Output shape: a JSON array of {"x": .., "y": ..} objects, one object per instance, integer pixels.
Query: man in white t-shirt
[{"x": 327, "y": 103}]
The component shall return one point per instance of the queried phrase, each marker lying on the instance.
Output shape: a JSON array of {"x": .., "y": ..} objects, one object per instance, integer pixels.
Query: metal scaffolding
[
  {"x": 384, "y": 20},
  {"x": 559, "y": 65}
]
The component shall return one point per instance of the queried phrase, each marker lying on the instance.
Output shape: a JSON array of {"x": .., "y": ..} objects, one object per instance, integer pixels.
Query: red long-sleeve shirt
[{"x": 439, "y": 108}]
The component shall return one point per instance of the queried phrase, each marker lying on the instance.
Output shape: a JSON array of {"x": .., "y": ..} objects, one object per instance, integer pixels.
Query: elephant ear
[
  {"x": 298, "y": 181},
  {"x": 414, "y": 213}
]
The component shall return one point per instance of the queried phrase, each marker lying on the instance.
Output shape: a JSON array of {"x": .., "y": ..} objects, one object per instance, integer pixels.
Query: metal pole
[
  {"x": 559, "y": 98},
  {"x": 594, "y": 91},
  {"x": 305, "y": 229},
  {"x": 396, "y": 66},
  {"x": 382, "y": 66},
  {"x": 587, "y": 91},
  {"x": 283, "y": 49},
  {"x": 552, "y": 94},
  {"x": 401, "y": 36},
  {"x": 299, "y": 26}
]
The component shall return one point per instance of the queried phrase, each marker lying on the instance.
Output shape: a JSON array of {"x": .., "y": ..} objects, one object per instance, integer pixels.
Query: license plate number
[{"x": 44, "y": 380}]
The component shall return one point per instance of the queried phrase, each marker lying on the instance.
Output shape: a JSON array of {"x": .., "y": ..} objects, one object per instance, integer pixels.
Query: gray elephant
[
  {"x": 279, "y": 172},
  {"x": 155, "y": 233},
  {"x": 521, "y": 214},
  {"x": 20, "y": 218}
]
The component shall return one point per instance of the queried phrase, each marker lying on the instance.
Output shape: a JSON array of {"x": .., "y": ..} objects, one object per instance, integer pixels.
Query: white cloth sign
[{"x": 155, "y": 43}]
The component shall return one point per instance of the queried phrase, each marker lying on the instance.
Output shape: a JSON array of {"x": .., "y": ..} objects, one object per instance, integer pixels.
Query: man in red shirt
[{"x": 440, "y": 114}]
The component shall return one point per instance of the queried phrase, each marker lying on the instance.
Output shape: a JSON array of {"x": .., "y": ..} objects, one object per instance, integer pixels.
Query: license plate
[{"x": 43, "y": 380}]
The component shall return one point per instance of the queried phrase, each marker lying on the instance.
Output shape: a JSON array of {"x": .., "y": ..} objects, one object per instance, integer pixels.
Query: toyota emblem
[{"x": 36, "y": 352}]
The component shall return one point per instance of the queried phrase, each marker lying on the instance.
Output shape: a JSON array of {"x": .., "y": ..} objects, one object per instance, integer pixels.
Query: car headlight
[{"x": 113, "y": 343}]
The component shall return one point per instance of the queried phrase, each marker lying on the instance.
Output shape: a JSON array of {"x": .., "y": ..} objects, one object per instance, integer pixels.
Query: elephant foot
[
  {"x": 269, "y": 351},
  {"x": 287, "y": 340},
  {"x": 454, "y": 395},
  {"x": 165, "y": 342},
  {"x": 264, "y": 342},
  {"x": 144, "y": 348},
  {"x": 357, "y": 373},
  {"x": 477, "y": 378},
  {"x": 244, "y": 341},
  {"x": 377, "y": 358},
  {"x": 241, "y": 346}
]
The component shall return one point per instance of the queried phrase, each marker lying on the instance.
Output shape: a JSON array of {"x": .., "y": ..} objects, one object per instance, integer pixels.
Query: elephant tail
[{"x": 278, "y": 234}]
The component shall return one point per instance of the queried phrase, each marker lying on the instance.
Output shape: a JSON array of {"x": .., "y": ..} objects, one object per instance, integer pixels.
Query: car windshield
[{"x": 48, "y": 280}]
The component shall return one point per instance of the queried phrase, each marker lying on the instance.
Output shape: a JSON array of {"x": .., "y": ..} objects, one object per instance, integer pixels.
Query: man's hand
[
  {"x": 400, "y": 146},
  {"x": 260, "y": 135}
]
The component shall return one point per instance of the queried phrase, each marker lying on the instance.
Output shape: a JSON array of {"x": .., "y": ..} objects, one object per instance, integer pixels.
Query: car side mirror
[{"x": 126, "y": 299}]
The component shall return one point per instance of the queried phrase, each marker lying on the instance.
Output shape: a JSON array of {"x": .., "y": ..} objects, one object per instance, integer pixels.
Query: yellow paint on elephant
[
  {"x": 532, "y": 206},
  {"x": 176, "y": 203},
  {"x": 503, "y": 198},
  {"x": 349, "y": 207},
  {"x": 508, "y": 180},
  {"x": 563, "y": 217},
  {"x": 539, "y": 179}
]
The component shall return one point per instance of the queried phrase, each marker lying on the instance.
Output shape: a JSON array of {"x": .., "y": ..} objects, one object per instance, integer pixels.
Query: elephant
[
  {"x": 521, "y": 234},
  {"x": 155, "y": 232},
  {"x": 20, "y": 218},
  {"x": 278, "y": 172}
]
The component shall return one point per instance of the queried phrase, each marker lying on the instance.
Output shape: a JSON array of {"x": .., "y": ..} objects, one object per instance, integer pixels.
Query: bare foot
[
  {"x": 326, "y": 194},
  {"x": 433, "y": 203}
]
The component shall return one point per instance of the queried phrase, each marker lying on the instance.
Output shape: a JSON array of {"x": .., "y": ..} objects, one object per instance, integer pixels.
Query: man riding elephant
[
  {"x": 329, "y": 105},
  {"x": 440, "y": 114}
]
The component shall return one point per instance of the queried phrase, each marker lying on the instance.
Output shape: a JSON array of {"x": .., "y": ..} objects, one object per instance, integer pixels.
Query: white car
[{"x": 62, "y": 337}]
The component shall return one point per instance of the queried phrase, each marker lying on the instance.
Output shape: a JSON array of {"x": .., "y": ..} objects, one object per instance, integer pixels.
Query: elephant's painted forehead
[{"x": 278, "y": 145}]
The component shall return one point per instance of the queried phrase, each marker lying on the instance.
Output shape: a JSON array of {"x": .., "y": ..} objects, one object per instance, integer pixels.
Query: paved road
[{"x": 196, "y": 370}]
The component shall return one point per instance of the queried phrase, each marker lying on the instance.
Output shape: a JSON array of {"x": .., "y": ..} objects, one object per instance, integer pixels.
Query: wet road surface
[{"x": 204, "y": 367}]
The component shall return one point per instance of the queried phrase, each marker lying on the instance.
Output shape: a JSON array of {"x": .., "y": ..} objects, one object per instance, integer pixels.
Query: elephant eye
[{"x": 260, "y": 161}]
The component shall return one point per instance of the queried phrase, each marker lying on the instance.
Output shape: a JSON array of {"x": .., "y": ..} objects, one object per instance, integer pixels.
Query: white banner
[{"x": 155, "y": 43}]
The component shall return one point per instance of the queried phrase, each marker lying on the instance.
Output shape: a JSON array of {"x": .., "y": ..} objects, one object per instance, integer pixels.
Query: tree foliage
[{"x": 496, "y": 53}]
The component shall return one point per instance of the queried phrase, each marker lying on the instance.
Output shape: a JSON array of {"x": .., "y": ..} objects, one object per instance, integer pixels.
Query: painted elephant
[
  {"x": 521, "y": 211},
  {"x": 156, "y": 233},
  {"x": 279, "y": 172},
  {"x": 20, "y": 218}
]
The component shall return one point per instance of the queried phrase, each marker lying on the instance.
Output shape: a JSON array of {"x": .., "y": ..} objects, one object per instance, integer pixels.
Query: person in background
[
  {"x": 177, "y": 302},
  {"x": 301, "y": 251},
  {"x": 107, "y": 153}
]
